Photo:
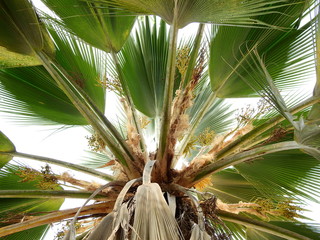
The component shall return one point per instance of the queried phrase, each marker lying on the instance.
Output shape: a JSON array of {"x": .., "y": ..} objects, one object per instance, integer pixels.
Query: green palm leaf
[
  {"x": 279, "y": 178},
  {"x": 31, "y": 92},
  {"x": 84, "y": 64},
  {"x": 239, "y": 232},
  {"x": 106, "y": 28},
  {"x": 94, "y": 159},
  {"x": 21, "y": 34},
  {"x": 143, "y": 61},
  {"x": 10, "y": 179},
  {"x": 6, "y": 146},
  {"x": 284, "y": 53},
  {"x": 217, "y": 118},
  {"x": 206, "y": 11},
  {"x": 314, "y": 114},
  {"x": 37, "y": 93},
  {"x": 229, "y": 186},
  {"x": 310, "y": 230}
]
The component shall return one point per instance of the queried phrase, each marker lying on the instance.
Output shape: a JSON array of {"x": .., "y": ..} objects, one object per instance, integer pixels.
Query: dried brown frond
[
  {"x": 118, "y": 172},
  {"x": 262, "y": 208},
  {"x": 89, "y": 186},
  {"x": 277, "y": 134},
  {"x": 197, "y": 72}
]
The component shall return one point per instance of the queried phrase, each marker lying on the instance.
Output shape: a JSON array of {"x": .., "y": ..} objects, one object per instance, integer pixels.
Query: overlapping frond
[
  {"x": 14, "y": 177},
  {"x": 286, "y": 54},
  {"x": 103, "y": 27},
  {"x": 31, "y": 92},
  {"x": 245, "y": 175},
  {"x": 277, "y": 177},
  {"x": 143, "y": 62},
  {"x": 21, "y": 34},
  {"x": 231, "y": 12}
]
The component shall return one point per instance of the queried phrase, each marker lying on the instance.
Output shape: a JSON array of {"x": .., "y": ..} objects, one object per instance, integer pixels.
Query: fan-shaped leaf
[
  {"x": 6, "y": 146},
  {"x": 37, "y": 95},
  {"x": 235, "y": 11},
  {"x": 311, "y": 231},
  {"x": 21, "y": 34},
  {"x": 38, "y": 91},
  {"x": 143, "y": 61},
  {"x": 283, "y": 175},
  {"x": 104, "y": 27},
  {"x": 229, "y": 186},
  {"x": 284, "y": 53},
  {"x": 10, "y": 180},
  {"x": 84, "y": 64},
  {"x": 314, "y": 114}
]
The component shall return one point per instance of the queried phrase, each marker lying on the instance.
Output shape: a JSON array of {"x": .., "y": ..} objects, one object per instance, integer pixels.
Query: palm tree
[{"x": 178, "y": 164}]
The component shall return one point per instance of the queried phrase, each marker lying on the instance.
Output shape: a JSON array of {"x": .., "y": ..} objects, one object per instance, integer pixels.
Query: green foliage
[
  {"x": 143, "y": 62},
  {"x": 21, "y": 34},
  {"x": 233, "y": 69},
  {"x": 172, "y": 94},
  {"x": 13, "y": 210},
  {"x": 106, "y": 28},
  {"x": 187, "y": 11},
  {"x": 6, "y": 146}
]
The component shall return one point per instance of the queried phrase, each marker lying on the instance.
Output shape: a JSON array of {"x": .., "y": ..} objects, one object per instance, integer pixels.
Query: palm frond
[
  {"x": 231, "y": 187},
  {"x": 80, "y": 61},
  {"x": 106, "y": 28},
  {"x": 6, "y": 146},
  {"x": 277, "y": 178},
  {"x": 309, "y": 135},
  {"x": 10, "y": 179},
  {"x": 95, "y": 159},
  {"x": 277, "y": 230},
  {"x": 31, "y": 93},
  {"x": 84, "y": 64},
  {"x": 312, "y": 231},
  {"x": 285, "y": 54},
  {"x": 314, "y": 114},
  {"x": 221, "y": 12},
  {"x": 21, "y": 34},
  {"x": 143, "y": 61}
]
